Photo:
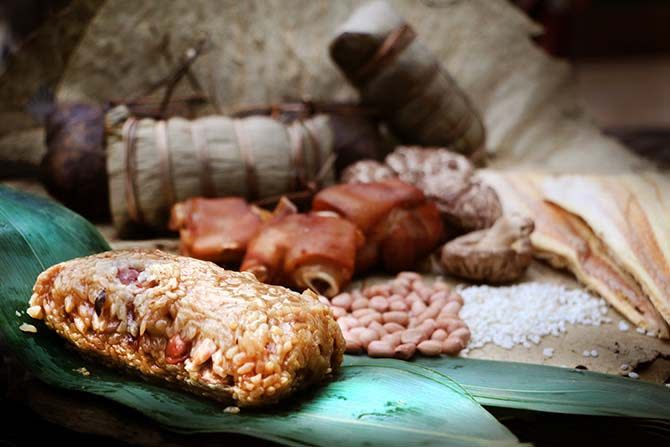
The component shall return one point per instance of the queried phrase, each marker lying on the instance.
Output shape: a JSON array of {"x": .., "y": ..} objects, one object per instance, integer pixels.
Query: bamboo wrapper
[
  {"x": 152, "y": 164},
  {"x": 380, "y": 55}
]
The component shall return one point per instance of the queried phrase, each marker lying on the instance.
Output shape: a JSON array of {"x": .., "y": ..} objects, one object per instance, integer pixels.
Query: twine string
[
  {"x": 128, "y": 134},
  {"x": 394, "y": 44}
]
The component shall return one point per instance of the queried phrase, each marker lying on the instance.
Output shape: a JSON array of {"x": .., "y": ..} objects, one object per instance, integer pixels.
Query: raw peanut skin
[
  {"x": 418, "y": 307},
  {"x": 379, "y": 303},
  {"x": 350, "y": 321},
  {"x": 412, "y": 297},
  {"x": 439, "y": 295},
  {"x": 439, "y": 335},
  {"x": 392, "y": 339},
  {"x": 451, "y": 308},
  {"x": 452, "y": 346},
  {"x": 449, "y": 324},
  {"x": 379, "y": 348},
  {"x": 358, "y": 313},
  {"x": 393, "y": 327},
  {"x": 399, "y": 306},
  {"x": 396, "y": 297},
  {"x": 454, "y": 296},
  {"x": 378, "y": 328},
  {"x": 462, "y": 333},
  {"x": 338, "y": 312},
  {"x": 431, "y": 348},
  {"x": 342, "y": 300},
  {"x": 431, "y": 312},
  {"x": 414, "y": 336},
  {"x": 369, "y": 318},
  {"x": 405, "y": 351},
  {"x": 353, "y": 344},
  {"x": 367, "y": 336},
  {"x": 428, "y": 327},
  {"x": 360, "y": 303},
  {"x": 395, "y": 317}
]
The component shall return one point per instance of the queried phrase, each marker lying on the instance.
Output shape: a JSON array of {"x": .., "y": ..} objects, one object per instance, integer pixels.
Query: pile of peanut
[{"x": 397, "y": 318}]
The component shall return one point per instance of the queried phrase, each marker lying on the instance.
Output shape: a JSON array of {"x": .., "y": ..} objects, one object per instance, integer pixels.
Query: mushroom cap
[
  {"x": 499, "y": 254},
  {"x": 366, "y": 171}
]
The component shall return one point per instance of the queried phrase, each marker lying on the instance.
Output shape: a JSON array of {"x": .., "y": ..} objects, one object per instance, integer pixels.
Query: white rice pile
[{"x": 523, "y": 314}]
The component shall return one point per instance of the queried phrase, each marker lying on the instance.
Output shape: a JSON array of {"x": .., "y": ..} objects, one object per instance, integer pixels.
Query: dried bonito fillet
[
  {"x": 631, "y": 214},
  {"x": 314, "y": 250},
  {"x": 465, "y": 202},
  {"x": 216, "y": 230},
  {"x": 400, "y": 317},
  {"x": 566, "y": 241},
  {"x": 379, "y": 54},
  {"x": 208, "y": 330},
  {"x": 400, "y": 226}
]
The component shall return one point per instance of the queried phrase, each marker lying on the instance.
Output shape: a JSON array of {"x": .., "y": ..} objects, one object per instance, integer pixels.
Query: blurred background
[{"x": 620, "y": 50}]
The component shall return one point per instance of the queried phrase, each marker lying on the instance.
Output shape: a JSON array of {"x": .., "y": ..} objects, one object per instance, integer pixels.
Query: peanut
[
  {"x": 396, "y": 297},
  {"x": 358, "y": 313},
  {"x": 393, "y": 327},
  {"x": 395, "y": 317},
  {"x": 377, "y": 327},
  {"x": 455, "y": 296},
  {"x": 418, "y": 307},
  {"x": 360, "y": 303},
  {"x": 338, "y": 312},
  {"x": 431, "y": 312},
  {"x": 449, "y": 324},
  {"x": 353, "y": 344},
  {"x": 442, "y": 294},
  {"x": 369, "y": 318},
  {"x": 463, "y": 333},
  {"x": 430, "y": 348},
  {"x": 392, "y": 339},
  {"x": 412, "y": 297},
  {"x": 412, "y": 336},
  {"x": 428, "y": 327},
  {"x": 380, "y": 348},
  {"x": 367, "y": 336},
  {"x": 398, "y": 305},
  {"x": 379, "y": 303},
  {"x": 439, "y": 335},
  {"x": 452, "y": 308},
  {"x": 342, "y": 300},
  {"x": 452, "y": 346},
  {"x": 404, "y": 351}
]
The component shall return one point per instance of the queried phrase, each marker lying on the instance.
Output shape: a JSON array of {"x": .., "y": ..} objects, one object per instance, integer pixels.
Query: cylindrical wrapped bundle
[
  {"x": 152, "y": 164},
  {"x": 379, "y": 54}
]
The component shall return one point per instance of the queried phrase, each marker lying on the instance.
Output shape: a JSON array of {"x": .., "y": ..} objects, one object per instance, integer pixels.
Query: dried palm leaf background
[{"x": 267, "y": 51}]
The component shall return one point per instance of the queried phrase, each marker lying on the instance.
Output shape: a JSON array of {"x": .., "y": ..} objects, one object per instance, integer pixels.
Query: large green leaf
[
  {"x": 552, "y": 389},
  {"x": 371, "y": 402}
]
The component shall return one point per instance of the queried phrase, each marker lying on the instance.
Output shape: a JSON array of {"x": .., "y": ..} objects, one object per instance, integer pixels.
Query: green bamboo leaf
[
  {"x": 552, "y": 389},
  {"x": 371, "y": 402}
]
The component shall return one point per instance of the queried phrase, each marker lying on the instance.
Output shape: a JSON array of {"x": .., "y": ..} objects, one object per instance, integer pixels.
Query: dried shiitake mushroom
[
  {"x": 467, "y": 205},
  {"x": 412, "y": 164},
  {"x": 498, "y": 254},
  {"x": 366, "y": 171}
]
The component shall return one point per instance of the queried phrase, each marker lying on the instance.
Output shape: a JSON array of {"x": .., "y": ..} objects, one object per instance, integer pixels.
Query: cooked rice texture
[{"x": 212, "y": 331}]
